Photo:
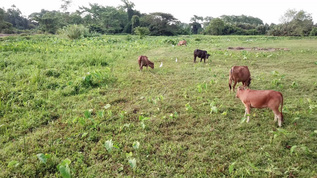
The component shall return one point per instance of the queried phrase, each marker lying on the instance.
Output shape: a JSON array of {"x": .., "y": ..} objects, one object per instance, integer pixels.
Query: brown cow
[
  {"x": 239, "y": 74},
  {"x": 262, "y": 99},
  {"x": 144, "y": 61},
  {"x": 183, "y": 42}
]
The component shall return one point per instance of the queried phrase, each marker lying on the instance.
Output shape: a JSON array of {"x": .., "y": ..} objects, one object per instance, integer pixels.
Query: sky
[{"x": 269, "y": 11}]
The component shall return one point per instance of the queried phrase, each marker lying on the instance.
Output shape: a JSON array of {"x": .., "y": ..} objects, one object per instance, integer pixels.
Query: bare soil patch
[
  {"x": 3, "y": 35},
  {"x": 257, "y": 49}
]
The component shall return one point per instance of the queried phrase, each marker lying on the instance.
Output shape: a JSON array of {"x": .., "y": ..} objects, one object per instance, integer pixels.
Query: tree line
[{"x": 125, "y": 19}]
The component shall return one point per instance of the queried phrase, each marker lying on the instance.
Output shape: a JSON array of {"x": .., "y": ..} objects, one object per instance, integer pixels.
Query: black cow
[{"x": 201, "y": 54}]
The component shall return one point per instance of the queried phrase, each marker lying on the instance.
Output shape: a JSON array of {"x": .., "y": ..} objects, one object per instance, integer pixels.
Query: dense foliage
[
  {"x": 82, "y": 108},
  {"x": 124, "y": 19}
]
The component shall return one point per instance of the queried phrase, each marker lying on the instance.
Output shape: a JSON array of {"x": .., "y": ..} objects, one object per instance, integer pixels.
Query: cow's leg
[
  {"x": 234, "y": 85},
  {"x": 247, "y": 111},
  {"x": 277, "y": 115},
  {"x": 204, "y": 60},
  {"x": 280, "y": 120},
  {"x": 201, "y": 59},
  {"x": 141, "y": 65},
  {"x": 195, "y": 59},
  {"x": 230, "y": 82}
]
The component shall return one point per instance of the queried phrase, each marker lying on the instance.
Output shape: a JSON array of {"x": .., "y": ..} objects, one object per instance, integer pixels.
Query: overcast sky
[{"x": 269, "y": 11}]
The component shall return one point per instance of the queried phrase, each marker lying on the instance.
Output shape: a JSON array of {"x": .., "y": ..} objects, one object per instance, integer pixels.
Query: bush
[
  {"x": 313, "y": 32},
  {"x": 141, "y": 31},
  {"x": 74, "y": 31},
  {"x": 170, "y": 41},
  {"x": 98, "y": 78}
]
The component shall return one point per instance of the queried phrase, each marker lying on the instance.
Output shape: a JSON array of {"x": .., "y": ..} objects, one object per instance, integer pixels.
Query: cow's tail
[{"x": 230, "y": 80}]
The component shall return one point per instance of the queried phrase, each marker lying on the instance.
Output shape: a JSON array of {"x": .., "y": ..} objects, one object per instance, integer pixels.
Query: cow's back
[
  {"x": 240, "y": 73},
  {"x": 183, "y": 42},
  {"x": 143, "y": 59},
  {"x": 262, "y": 98},
  {"x": 200, "y": 53}
]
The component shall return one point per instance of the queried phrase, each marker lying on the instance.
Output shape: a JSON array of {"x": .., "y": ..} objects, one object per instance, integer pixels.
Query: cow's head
[
  {"x": 207, "y": 55},
  {"x": 151, "y": 64},
  {"x": 248, "y": 82},
  {"x": 240, "y": 91}
]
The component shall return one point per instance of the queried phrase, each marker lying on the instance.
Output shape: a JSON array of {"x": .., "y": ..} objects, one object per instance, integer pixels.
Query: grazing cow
[
  {"x": 183, "y": 42},
  {"x": 239, "y": 74},
  {"x": 201, "y": 54},
  {"x": 262, "y": 99},
  {"x": 144, "y": 61}
]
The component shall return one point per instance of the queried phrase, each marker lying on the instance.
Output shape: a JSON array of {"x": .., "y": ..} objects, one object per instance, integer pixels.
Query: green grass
[{"x": 83, "y": 108}]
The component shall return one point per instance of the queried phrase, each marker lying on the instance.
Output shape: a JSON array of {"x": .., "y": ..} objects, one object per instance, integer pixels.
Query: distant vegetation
[{"x": 126, "y": 20}]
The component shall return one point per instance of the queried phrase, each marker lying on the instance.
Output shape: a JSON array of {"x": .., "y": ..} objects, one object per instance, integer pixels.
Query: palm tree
[{"x": 129, "y": 6}]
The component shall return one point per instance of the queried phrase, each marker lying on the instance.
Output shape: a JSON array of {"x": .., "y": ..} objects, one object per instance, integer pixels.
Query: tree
[
  {"x": 135, "y": 21},
  {"x": 294, "y": 24},
  {"x": 108, "y": 19},
  {"x": 183, "y": 28},
  {"x": 207, "y": 21},
  {"x": 303, "y": 22},
  {"x": 262, "y": 29},
  {"x": 242, "y": 19},
  {"x": 196, "y": 26},
  {"x": 5, "y": 27},
  {"x": 216, "y": 27},
  {"x": 160, "y": 24},
  {"x": 288, "y": 16},
  {"x": 129, "y": 6},
  {"x": 66, "y": 4},
  {"x": 14, "y": 16},
  {"x": 75, "y": 18},
  {"x": 49, "y": 21},
  {"x": 313, "y": 32}
]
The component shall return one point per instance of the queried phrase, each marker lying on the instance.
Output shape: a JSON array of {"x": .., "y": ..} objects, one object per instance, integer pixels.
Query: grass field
[{"x": 83, "y": 108}]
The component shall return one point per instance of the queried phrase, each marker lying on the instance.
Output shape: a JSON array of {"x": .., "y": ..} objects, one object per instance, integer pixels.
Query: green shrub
[
  {"x": 98, "y": 78},
  {"x": 313, "y": 32},
  {"x": 74, "y": 31},
  {"x": 170, "y": 41},
  {"x": 141, "y": 31}
]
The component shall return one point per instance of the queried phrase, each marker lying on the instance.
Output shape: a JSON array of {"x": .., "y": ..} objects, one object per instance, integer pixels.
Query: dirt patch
[
  {"x": 257, "y": 49},
  {"x": 3, "y": 35}
]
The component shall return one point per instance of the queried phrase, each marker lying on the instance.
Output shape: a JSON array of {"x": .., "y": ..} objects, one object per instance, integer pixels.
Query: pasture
[{"x": 83, "y": 108}]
